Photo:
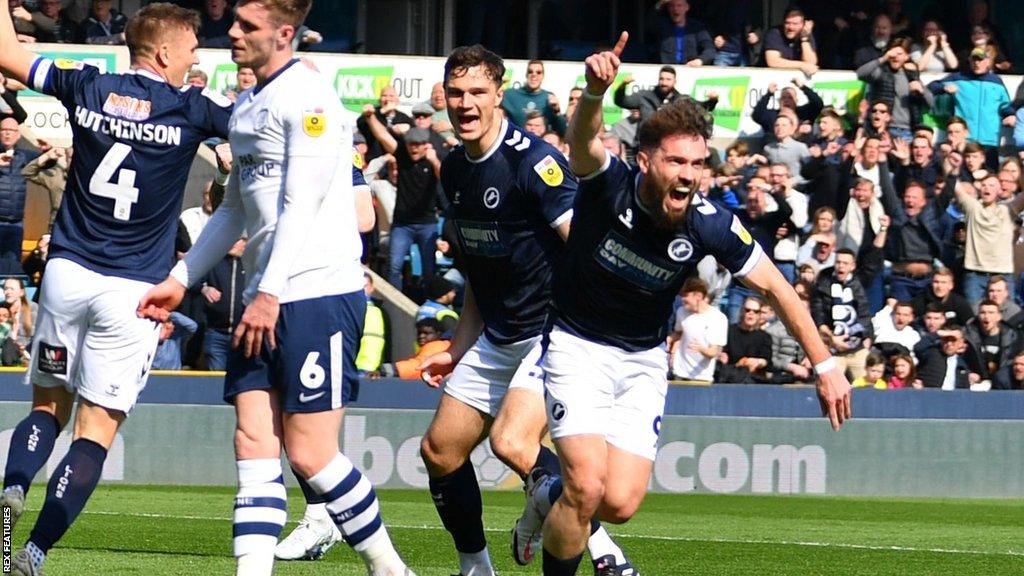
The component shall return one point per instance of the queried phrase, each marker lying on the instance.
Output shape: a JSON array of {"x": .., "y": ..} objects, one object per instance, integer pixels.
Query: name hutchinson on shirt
[{"x": 126, "y": 129}]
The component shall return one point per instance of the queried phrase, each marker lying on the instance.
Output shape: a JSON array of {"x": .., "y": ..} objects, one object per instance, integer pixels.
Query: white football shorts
[
  {"x": 594, "y": 388},
  {"x": 487, "y": 371},
  {"x": 88, "y": 338}
]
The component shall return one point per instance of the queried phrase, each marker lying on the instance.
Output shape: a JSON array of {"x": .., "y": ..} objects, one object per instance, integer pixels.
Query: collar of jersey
[
  {"x": 494, "y": 147},
  {"x": 146, "y": 73},
  {"x": 273, "y": 76}
]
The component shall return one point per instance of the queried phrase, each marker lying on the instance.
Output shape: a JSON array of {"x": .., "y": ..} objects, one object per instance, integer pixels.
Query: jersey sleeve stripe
[
  {"x": 39, "y": 74},
  {"x": 565, "y": 217},
  {"x": 755, "y": 256},
  {"x": 604, "y": 168}
]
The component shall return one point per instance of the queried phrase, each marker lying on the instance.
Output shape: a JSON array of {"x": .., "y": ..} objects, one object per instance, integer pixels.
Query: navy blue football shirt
[
  {"x": 507, "y": 206},
  {"x": 621, "y": 273},
  {"x": 135, "y": 137}
]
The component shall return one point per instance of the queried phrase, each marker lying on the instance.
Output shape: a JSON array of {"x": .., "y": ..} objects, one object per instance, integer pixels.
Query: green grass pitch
[{"x": 158, "y": 531}]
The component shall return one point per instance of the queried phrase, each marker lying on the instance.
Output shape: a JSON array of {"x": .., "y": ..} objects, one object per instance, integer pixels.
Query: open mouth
[
  {"x": 468, "y": 122},
  {"x": 680, "y": 193}
]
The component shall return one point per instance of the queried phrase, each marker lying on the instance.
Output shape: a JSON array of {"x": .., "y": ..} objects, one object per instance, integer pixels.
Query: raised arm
[
  {"x": 587, "y": 153},
  {"x": 378, "y": 129}
]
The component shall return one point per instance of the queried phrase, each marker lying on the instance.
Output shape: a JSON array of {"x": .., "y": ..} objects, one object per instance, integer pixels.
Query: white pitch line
[{"x": 843, "y": 545}]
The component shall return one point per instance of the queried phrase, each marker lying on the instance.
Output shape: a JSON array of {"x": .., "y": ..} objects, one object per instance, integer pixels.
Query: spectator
[
  {"x": 789, "y": 362},
  {"x": 898, "y": 83},
  {"x": 860, "y": 216},
  {"x": 877, "y": 122},
  {"x": 699, "y": 334},
  {"x": 440, "y": 294},
  {"x": 681, "y": 40},
  {"x": 45, "y": 24},
  {"x": 892, "y": 326},
  {"x": 995, "y": 341},
  {"x": 805, "y": 112},
  {"x": 954, "y": 307},
  {"x": 737, "y": 28},
  {"x": 50, "y": 170},
  {"x": 819, "y": 251},
  {"x": 216, "y": 21},
  {"x": 23, "y": 312},
  {"x": 103, "y": 26},
  {"x": 904, "y": 372},
  {"x": 222, "y": 295},
  {"x": 535, "y": 123},
  {"x": 194, "y": 219},
  {"x": 173, "y": 333},
  {"x": 786, "y": 149},
  {"x": 388, "y": 114},
  {"x": 990, "y": 233},
  {"x": 957, "y": 133},
  {"x": 763, "y": 226},
  {"x": 35, "y": 263},
  {"x": 830, "y": 141},
  {"x": 648, "y": 101},
  {"x": 787, "y": 236},
  {"x": 416, "y": 201},
  {"x": 196, "y": 78},
  {"x": 932, "y": 52},
  {"x": 981, "y": 99},
  {"x": 244, "y": 80},
  {"x": 999, "y": 292},
  {"x": 948, "y": 365},
  {"x": 915, "y": 241},
  {"x": 13, "y": 190},
  {"x": 552, "y": 137},
  {"x": 748, "y": 349},
  {"x": 1010, "y": 377},
  {"x": 982, "y": 37},
  {"x": 874, "y": 370},
  {"x": 933, "y": 320},
  {"x": 423, "y": 117},
  {"x": 374, "y": 339},
  {"x": 440, "y": 120},
  {"x": 915, "y": 163},
  {"x": 874, "y": 47},
  {"x": 518, "y": 102},
  {"x": 626, "y": 130},
  {"x": 430, "y": 340},
  {"x": 792, "y": 44},
  {"x": 840, "y": 309}
]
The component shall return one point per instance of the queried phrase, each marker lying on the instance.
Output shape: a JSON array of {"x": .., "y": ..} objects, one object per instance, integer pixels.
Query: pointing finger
[{"x": 621, "y": 44}]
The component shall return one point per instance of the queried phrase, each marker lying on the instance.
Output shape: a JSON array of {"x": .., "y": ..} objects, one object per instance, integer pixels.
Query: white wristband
[{"x": 826, "y": 365}]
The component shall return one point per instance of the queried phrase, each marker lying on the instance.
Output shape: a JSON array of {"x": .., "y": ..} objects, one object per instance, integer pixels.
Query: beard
[{"x": 653, "y": 200}]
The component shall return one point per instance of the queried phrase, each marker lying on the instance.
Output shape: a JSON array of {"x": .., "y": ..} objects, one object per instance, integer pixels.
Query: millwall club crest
[
  {"x": 491, "y": 198},
  {"x": 680, "y": 250}
]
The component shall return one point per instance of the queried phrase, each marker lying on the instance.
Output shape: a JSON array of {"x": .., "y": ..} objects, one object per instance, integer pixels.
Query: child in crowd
[
  {"x": 429, "y": 338},
  {"x": 904, "y": 375},
  {"x": 875, "y": 369}
]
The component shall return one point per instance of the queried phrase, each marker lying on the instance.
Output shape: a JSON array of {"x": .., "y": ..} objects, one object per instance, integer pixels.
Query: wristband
[
  {"x": 588, "y": 96},
  {"x": 826, "y": 365}
]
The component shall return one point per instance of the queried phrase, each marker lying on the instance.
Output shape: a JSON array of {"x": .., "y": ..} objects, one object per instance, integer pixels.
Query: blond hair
[{"x": 150, "y": 26}]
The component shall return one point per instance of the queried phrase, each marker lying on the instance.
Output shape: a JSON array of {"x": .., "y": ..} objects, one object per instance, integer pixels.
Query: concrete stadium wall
[{"x": 718, "y": 439}]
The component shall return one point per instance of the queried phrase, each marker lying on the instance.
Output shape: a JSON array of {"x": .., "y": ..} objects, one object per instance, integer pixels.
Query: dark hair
[
  {"x": 987, "y": 302},
  {"x": 935, "y": 308},
  {"x": 793, "y": 11},
  {"x": 874, "y": 359},
  {"x": 903, "y": 304},
  {"x": 956, "y": 120},
  {"x": 430, "y": 323},
  {"x": 739, "y": 147},
  {"x": 292, "y": 12},
  {"x": 900, "y": 42},
  {"x": 973, "y": 147},
  {"x": 682, "y": 117},
  {"x": 996, "y": 279},
  {"x": 914, "y": 184},
  {"x": 465, "y": 57},
  {"x": 848, "y": 252},
  {"x": 667, "y": 69},
  {"x": 694, "y": 284},
  {"x": 531, "y": 62}
]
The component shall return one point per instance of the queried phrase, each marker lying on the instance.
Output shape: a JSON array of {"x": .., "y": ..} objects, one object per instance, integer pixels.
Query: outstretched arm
[{"x": 833, "y": 388}]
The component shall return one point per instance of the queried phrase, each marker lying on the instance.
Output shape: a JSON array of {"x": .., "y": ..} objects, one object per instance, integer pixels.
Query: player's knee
[
  {"x": 439, "y": 460},
  {"x": 583, "y": 494},
  {"x": 510, "y": 448},
  {"x": 618, "y": 508}
]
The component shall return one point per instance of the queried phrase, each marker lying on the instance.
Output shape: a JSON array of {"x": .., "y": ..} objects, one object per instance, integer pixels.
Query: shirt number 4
[{"x": 123, "y": 193}]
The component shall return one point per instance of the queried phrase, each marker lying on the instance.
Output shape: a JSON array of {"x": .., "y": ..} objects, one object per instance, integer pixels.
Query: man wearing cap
[
  {"x": 951, "y": 363},
  {"x": 423, "y": 117},
  {"x": 981, "y": 99},
  {"x": 415, "y": 216}
]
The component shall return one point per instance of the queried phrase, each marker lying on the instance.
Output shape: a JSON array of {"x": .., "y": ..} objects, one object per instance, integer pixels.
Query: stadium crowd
[{"x": 903, "y": 240}]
